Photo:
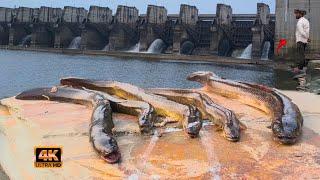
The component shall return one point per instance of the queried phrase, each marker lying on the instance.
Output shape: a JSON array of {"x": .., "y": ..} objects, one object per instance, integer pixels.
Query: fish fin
[{"x": 243, "y": 126}]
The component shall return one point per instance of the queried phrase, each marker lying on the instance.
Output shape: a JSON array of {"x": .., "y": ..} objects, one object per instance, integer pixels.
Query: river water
[{"x": 22, "y": 70}]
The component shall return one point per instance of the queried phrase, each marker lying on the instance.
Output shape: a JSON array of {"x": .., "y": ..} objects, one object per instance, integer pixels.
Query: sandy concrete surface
[
  {"x": 26, "y": 124},
  {"x": 309, "y": 104}
]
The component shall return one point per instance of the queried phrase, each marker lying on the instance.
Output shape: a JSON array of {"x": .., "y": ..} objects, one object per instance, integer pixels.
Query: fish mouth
[
  {"x": 192, "y": 77},
  {"x": 194, "y": 122},
  {"x": 286, "y": 140},
  {"x": 112, "y": 158},
  {"x": 232, "y": 139},
  {"x": 196, "y": 78},
  {"x": 232, "y": 133},
  {"x": 145, "y": 126},
  {"x": 193, "y": 135},
  {"x": 194, "y": 128}
]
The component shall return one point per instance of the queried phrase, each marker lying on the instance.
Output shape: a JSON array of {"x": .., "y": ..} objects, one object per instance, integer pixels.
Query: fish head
[
  {"x": 98, "y": 99},
  {"x": 201, "y": 76},
  {"x": 287, "y": 140},
  {"x": 194, "y": 122},
  {"x": 145, "y": 121},
  {"x": 232, "y": 133},
  {"x": 108, "y": 149},
  {"x": 232, "y": 130},
  {"x": 34, "y": 94},
  {"x": 287, "y": 134}
]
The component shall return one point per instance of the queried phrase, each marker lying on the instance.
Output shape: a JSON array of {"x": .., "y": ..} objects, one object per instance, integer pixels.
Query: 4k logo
[{"x": 48, "y": 157}]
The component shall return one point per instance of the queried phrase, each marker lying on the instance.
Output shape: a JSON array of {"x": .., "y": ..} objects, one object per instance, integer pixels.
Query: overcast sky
[{"x": 204, "y": 6}]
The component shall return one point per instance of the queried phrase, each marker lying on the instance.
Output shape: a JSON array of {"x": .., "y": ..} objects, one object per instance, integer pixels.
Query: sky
[{"x": 173, "y": 6}]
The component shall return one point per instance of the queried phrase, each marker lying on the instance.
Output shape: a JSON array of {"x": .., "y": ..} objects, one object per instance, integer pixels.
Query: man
[{"x": 302, "y": 39}]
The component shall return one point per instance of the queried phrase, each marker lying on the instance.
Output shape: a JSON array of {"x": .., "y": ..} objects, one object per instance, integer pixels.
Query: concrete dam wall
[{"x": 188, "y": 32}]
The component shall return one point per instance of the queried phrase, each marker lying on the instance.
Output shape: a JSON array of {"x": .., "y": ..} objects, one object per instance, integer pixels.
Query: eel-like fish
[
  {"x": 189, "y": 116},
  {"x": 101, "y": 120},
  {"x": 286, "y": 118},
  {"x": 221, "y": 116},
  {"x": 142, "y": 110}
]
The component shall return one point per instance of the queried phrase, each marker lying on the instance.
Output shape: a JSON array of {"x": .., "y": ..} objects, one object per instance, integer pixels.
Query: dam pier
[{"x": 189, "y": 32}]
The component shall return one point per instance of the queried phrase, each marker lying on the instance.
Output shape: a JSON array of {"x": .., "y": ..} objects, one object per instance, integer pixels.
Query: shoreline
[{"x": 147, "y": 56}]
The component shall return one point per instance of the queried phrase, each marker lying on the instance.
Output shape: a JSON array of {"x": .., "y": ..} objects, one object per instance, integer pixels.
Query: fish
[
  {"x": 219, "y": 115},
  {"x": 101, "y": 119},
  {"x": 286, "y": 118},
  {"x": 144, "y": 111},
  {"x": 189, "y": 116}
]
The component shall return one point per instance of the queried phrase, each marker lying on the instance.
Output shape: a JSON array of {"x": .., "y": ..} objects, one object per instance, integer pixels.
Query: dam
[
  {"x": 188, "y": 33},
  {"x": 155, "y": 51}
]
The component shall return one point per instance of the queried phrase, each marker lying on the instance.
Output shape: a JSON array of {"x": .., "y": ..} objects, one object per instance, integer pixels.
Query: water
[
  {"x": 75, "y": 43},
  {"x": 22, "y": 70},
  {"x": 237, "y": 53},
  {"x": 187, "y": 48},
  {"x": 26, "y": 41},
  {"x": 157, "y": 47},
  {"x": 135, "y": 48},
  {"x": 265, "y": 51},
  {"x": 247, "y": 53},
  {"x": 106, "y": 48}
]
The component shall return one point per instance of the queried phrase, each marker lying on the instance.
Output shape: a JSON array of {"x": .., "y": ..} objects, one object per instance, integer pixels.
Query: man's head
[{"x": 299, "y": 13}]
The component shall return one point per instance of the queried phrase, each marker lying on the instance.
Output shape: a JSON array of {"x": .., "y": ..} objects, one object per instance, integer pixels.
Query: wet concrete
[{"x": 173, "y": 155}]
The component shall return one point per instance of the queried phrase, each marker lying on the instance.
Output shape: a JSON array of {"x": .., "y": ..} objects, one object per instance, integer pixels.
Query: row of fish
[{"x": 187, "y": 106}]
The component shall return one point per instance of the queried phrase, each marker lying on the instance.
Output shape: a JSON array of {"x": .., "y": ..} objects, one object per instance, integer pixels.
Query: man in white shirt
[{"x": 302, "y": 38}]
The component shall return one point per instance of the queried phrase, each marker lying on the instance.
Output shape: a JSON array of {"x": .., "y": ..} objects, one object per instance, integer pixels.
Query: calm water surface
[{"x": 21, "y": 70}]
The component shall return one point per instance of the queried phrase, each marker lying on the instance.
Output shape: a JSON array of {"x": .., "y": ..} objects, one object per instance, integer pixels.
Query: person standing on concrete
[{"x": 302, "y": 39}]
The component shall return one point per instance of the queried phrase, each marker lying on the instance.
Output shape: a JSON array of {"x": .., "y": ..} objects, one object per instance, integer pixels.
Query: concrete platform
[{"x": 30, "y": 123}]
